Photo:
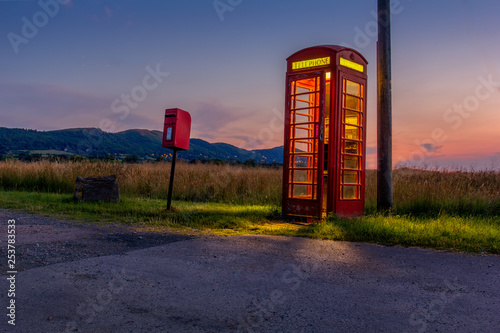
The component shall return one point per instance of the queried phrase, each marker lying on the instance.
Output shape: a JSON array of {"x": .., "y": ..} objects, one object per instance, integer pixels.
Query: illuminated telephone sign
[
  {"x": 177, "y": 129},
  {"x": 311, "y": 63},
  {"x": 325, "y": 133}
]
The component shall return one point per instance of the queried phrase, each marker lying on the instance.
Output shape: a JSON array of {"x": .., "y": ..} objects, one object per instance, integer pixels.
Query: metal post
[
  {"x": 171, "y": 184},
  {"x": 384, "y": 108}
]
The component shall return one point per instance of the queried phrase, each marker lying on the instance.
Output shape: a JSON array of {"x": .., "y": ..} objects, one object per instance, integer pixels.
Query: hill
[{"x": 140, "y": 142}]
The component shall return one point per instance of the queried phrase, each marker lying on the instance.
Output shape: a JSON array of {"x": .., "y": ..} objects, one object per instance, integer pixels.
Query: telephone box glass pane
[
  {"x": 350, "y": 192},
  {"x": 306, "y": 162},
  {"x": 304, "y": 87},
  {"x": 302, "y": 132},
  {"x": 353, "y": 88},
  {"x": 352, "y": 103},
  {"x": 350, "y": 177},
  {"x": 300, "y": 162},
  {"x": 302, "y": 146},
  {"x": 303, "y": 192},
  {"x": 301, "y": 176},
  {"x": 302, "y": 103},
  {"x": 350, "y": 162},
  {"x": 301, "y": 118},
  {"x": 351, "y": 132},
  {"x": 352, "y": 118},
  {"x": 350, "y": 147}
]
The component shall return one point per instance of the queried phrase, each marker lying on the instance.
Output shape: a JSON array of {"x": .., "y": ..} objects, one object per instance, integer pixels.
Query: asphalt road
[{"x": 243, "y": 284}]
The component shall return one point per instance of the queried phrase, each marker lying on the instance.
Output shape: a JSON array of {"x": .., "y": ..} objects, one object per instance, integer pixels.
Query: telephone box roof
[{"x": 334, "y": 48}]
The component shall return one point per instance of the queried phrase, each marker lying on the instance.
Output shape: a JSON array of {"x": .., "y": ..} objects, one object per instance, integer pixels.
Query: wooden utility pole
[{"x": 384, "y": 108}]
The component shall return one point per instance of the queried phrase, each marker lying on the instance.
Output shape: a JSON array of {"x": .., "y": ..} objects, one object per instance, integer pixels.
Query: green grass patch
[
  {"x": 444, "y": 232},
  {"x": 440, "y": 231},
  {"x": 223, "y": 218}
]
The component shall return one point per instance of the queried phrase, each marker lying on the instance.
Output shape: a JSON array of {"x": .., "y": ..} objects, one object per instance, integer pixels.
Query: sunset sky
[{"x": 118, "y": 64}]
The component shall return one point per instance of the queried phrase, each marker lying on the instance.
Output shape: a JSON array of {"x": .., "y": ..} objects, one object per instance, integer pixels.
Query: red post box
[
  {"x": 176, "y": 134},
  {"x": 325, "y": 132},
  {"x": 177, "y": 129}
]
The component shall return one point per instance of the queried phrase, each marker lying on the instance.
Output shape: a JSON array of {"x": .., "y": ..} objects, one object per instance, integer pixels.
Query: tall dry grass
[
  {"x": 193, "y": 182},
  {"x": 431, "y": 192},
  {"x": 416, "y": 192}
]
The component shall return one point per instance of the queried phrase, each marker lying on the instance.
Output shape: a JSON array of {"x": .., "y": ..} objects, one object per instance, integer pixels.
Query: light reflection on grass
[{"x": 443, "y": 231}]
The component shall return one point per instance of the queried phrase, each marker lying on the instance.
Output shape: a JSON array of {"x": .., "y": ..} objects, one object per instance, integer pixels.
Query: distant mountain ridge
[{"x": 140, "y": 142}]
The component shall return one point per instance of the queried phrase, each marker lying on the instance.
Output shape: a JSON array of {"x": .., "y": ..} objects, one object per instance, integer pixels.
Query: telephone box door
[
  {"x": 352, "y": 146},
  {"x": 304, "y": 148}
]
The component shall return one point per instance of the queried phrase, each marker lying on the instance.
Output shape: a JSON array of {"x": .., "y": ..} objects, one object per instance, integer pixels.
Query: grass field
[
  {"x": 442, "y": 210},
  {"x": 193, "y": 182}
]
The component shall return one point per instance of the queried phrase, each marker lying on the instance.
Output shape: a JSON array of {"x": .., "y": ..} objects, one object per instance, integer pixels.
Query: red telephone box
[
  {"x": 325, "y": 132},
  {"x": 177, "y": 129}
]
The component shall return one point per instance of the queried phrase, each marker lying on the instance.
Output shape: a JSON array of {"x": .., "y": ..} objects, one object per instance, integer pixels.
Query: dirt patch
[{"x": 36, "y": 233}]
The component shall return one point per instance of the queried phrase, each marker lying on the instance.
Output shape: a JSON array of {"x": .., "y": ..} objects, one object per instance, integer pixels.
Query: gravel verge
[{"x": 44, "y": 240}]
